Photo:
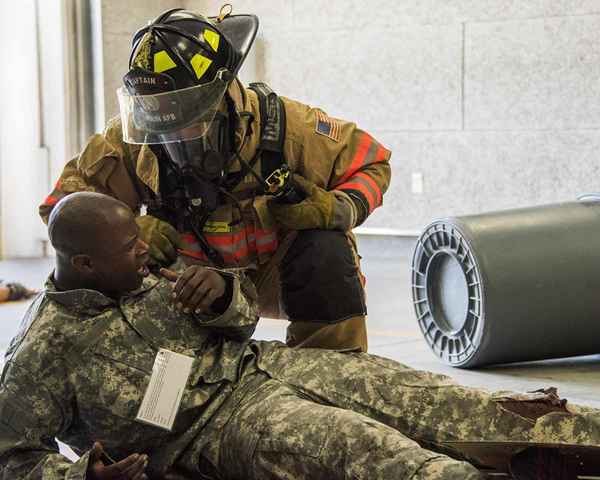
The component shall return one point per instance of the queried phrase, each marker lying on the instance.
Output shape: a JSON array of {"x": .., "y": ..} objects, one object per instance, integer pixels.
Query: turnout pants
[
  {"x": 314, "y": 280},
  {"x": 320, "y": 414}
]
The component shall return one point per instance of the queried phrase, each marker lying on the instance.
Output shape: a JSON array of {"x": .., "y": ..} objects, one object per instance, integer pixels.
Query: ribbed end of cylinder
[{"x": 448, "y": 294}]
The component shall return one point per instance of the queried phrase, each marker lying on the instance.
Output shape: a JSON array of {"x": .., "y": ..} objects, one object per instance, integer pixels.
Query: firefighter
[{"x": 238, "y": 178}]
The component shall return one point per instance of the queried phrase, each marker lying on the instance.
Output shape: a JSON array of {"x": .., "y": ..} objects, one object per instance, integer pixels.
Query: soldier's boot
[
  {"x": 543, "y": 464},
  {"x": 349, "y": 334}
]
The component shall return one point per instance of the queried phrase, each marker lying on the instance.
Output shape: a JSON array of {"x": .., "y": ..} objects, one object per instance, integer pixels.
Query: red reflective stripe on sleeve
[
  {"x": 381, "y": 154},
  {"x": 364, "y": 190},
  {"x": 372, "y": 184},
  {"x": 359, "y": 157},
  {"x": 51, "y": 200}
]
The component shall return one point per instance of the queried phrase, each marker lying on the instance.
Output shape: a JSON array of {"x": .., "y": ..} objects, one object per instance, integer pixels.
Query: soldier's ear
[{"x": 82, "y": 263}]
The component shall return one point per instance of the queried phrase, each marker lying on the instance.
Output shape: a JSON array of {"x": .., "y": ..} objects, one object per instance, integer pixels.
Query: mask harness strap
[{"x": 199, "y": 213}]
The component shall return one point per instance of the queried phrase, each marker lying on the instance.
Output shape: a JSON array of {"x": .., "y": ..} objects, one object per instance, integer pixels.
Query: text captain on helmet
[{"x": 238, "y": 177}]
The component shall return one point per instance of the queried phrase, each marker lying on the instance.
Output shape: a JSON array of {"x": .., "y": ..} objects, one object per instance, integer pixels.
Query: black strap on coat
[{"x": 272, "y": 129}]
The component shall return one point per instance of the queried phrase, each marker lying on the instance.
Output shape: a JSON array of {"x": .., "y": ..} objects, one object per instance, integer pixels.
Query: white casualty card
[{"x": 165, "y": 390}]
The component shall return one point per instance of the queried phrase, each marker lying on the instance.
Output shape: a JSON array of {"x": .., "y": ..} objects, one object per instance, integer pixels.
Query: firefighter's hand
[
  {"x": 196, "y": 289},
  {"x": 162, "y": 239},
  {"x": 315, "y": 211},
  {"x": 130, "y": 468}
]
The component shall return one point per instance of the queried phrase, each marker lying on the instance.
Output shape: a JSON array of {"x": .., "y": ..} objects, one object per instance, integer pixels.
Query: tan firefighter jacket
[{"x": 332, "y": 153}]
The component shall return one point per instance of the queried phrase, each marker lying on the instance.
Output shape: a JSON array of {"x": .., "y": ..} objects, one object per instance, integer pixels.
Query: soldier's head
[
  {"x": 97, "y": 243},
  {"x": 181, "y": 65}
]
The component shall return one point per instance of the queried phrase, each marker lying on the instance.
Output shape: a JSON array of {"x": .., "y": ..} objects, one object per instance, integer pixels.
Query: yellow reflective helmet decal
[
  {"x": 212, "y": 38},
  {"x": 200, "y": 64},
  {"x": 142, "y": 56},
  {"x": 162, "y": 62}
]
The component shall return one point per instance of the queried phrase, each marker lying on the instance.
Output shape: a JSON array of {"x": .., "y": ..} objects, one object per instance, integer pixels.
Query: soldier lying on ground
[{"x": 82, "y": 362}]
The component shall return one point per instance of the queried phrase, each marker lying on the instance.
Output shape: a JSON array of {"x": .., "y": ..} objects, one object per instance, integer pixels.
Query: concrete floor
[{"x": 393, "y": 331}]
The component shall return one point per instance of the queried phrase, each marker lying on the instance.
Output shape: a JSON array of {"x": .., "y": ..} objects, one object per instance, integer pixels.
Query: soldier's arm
[
  {"x": 340, "y": 157},
  {"x": 32, "y": 414},
  {"x": 236, "y": 318},
  {"x": 100, "y": 167},
  {"x": 233, "y": 313}
]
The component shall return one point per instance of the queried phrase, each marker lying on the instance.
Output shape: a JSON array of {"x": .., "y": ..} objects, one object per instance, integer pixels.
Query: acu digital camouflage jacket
[{"x": 80, "y": 365}]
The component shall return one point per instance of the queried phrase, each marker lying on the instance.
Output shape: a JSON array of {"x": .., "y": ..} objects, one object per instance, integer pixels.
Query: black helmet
[
  {"x": 186, "y": 46},
  {"x": 181, "y": 64}
]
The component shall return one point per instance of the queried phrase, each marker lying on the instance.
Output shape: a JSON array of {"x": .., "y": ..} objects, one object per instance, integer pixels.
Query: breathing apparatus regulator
[{"x": 174, "y": 100}]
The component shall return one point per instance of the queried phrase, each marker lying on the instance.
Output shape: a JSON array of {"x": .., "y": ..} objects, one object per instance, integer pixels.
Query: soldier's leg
[
  {"x": 318, "y": 286},
  {"x": 424, "y": 406},
  {"x": 279, "y": 434}
]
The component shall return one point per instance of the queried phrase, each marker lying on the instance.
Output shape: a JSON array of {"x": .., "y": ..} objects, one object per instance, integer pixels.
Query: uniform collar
[{"x": 90, "y": 302}]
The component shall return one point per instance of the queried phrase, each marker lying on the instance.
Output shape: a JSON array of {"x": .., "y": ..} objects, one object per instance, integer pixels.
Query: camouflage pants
[{"x": 321, "y": 414}]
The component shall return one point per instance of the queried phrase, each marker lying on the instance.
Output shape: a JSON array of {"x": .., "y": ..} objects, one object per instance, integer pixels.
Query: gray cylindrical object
[{"x": 510, "y": 286}]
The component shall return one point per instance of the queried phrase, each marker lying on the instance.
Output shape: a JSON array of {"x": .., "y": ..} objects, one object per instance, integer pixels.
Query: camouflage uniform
[
  {"x": 80, "y": 365},
  {"x": 331, "y": 153}
]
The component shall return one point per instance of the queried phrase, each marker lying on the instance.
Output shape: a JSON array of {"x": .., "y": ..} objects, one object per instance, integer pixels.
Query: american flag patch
[{"x": 327, "y": 126}]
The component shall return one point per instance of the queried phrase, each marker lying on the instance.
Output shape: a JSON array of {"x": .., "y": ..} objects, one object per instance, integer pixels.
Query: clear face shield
[{"x": 188, "y": 122}]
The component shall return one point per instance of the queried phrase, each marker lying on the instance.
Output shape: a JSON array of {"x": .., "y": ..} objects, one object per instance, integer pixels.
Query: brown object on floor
[
  {"x": 15, "y": 291},
  {"x": 533, "y": 405}
]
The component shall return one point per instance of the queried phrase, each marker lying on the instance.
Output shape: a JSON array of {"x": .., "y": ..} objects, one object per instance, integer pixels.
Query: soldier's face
[{"x": 120, "y": 265}]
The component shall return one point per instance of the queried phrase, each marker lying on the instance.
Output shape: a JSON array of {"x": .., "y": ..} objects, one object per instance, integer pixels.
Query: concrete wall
[{"x": 491, "y": 103}]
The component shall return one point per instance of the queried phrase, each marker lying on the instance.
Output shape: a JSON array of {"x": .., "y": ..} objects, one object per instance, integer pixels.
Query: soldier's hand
[
  {"x": 196, "y": 288},
  {"x": 130, "y": 468},
  {"x": 162, "y": 239}
]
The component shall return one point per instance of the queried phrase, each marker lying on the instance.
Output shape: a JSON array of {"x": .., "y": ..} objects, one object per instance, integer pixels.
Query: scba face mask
[
  {"x": 189, "y": 124},
  {"x": 202, "y": 163},
  {"x": 206, "y": 157}
]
